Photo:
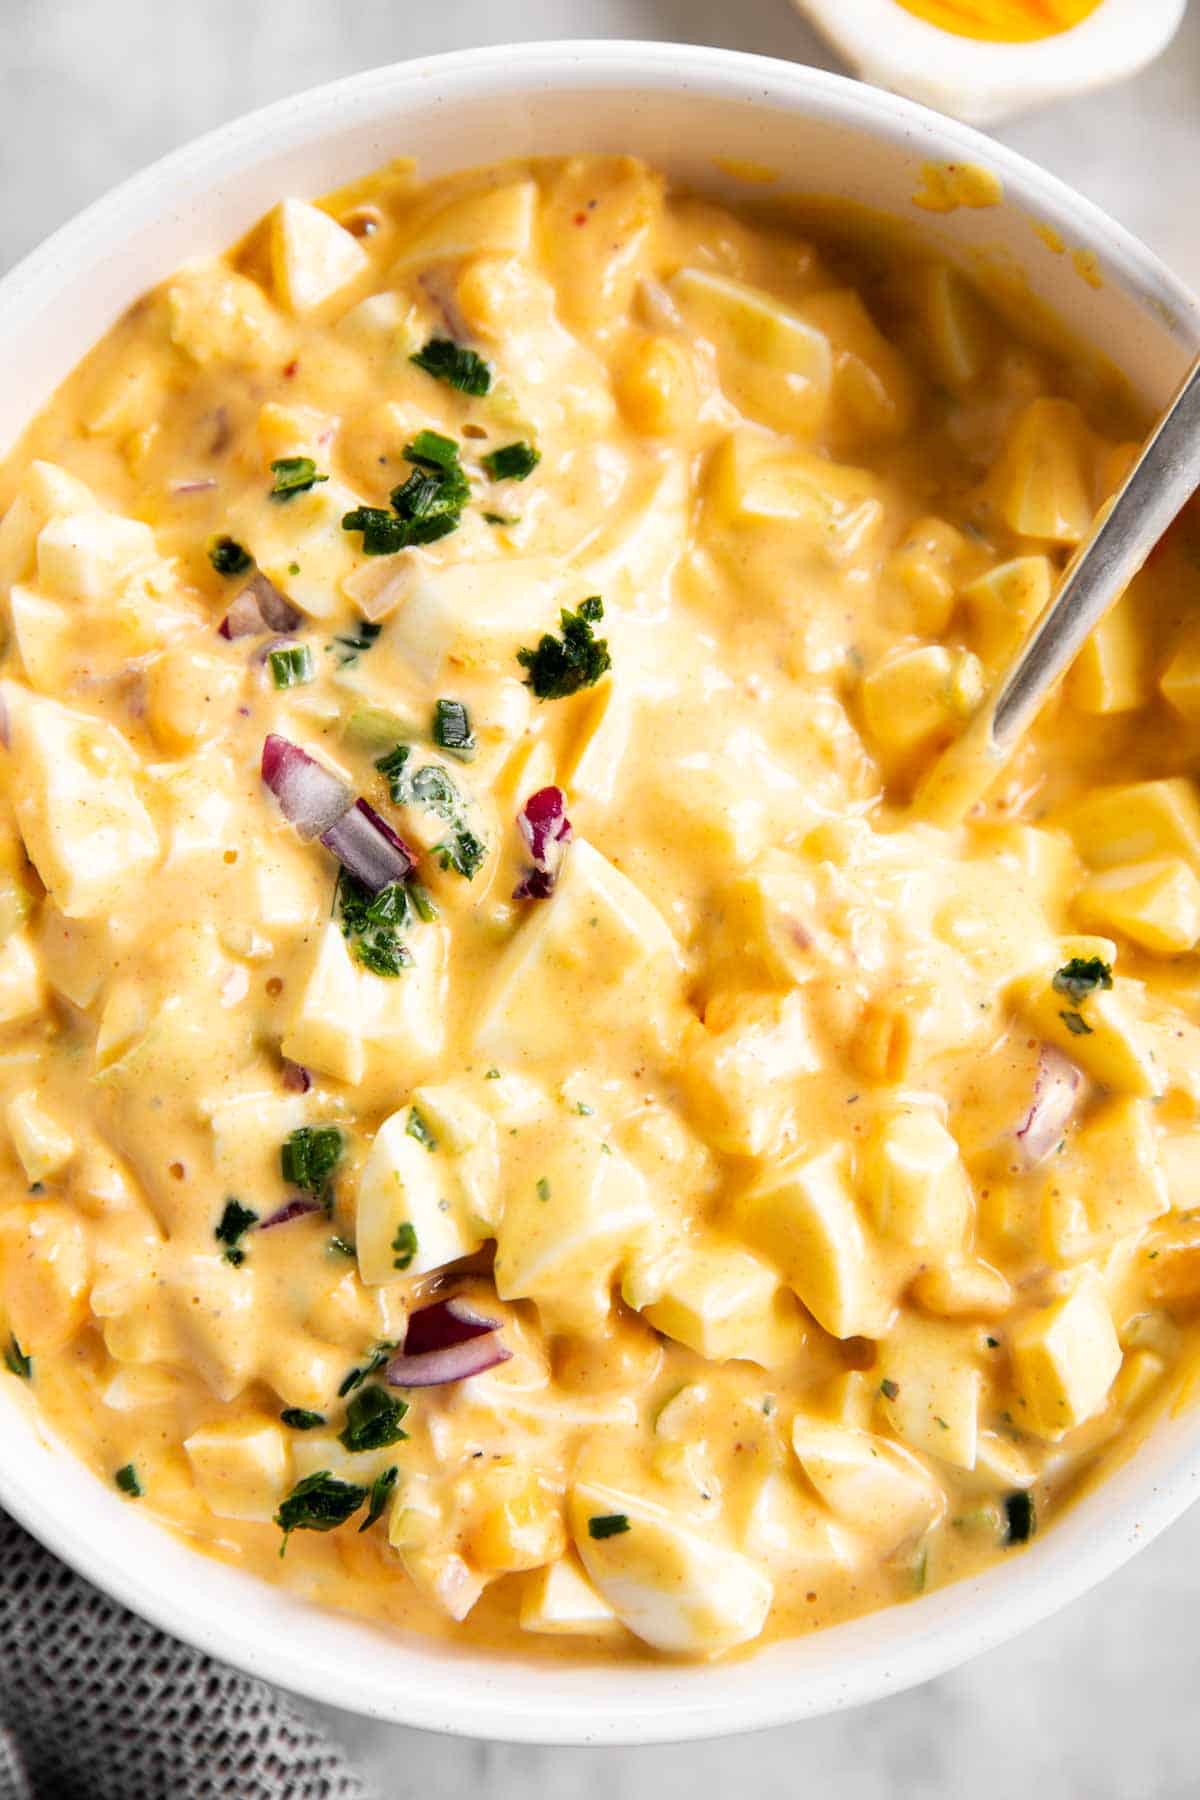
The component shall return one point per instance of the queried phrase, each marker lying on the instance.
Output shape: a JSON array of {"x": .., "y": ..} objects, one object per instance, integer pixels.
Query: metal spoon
[{"x": 1164, "y": 477}]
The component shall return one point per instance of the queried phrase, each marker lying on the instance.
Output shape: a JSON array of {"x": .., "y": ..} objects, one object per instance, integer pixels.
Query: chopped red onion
[
  {"x": 310, "y": 797},
  {"x": 447, "y": 1341},
  {"x": 199, "y": 486},
  {"x": 368, "y": 848},
  {"x": 296, "y": 1078},
  {"x": 1055, "y": 1092},
  {"x": 544, "y": 825},
  {"x": 444, "y": 1323},
  {"x": 297, "y": 1208},
  {"x": 453, "y": 1363},
  {"x": 258, "y": 608}
]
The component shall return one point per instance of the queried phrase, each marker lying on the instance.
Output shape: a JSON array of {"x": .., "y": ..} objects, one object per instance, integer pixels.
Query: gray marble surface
[{"x": 1100, "y": 1704}]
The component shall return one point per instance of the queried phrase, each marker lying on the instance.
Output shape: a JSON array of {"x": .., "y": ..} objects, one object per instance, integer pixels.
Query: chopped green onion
[
  {"x": 405, "y": 1245},
  {"x": 1020, "y": 1517},
  {"x": 512, "y": 462},
  {"x": 228, "y": 557},
  {"x": 309, "y": 1155},
  {"x": 457, "y": 367},
  {"x": 127, "y": 1480},
  {"x": 233, "y": 1224},
  {"x": 350, "y": 645},
  {"x": 606, "y": 1525},
  {"x": 562, "y": 666},
  {"x": 452, "y": 729},
  {"x": 424, "y": 904},
  {"x": 291, "y": 665},
  {"x": 418, "y": 1127},
  {"x": 294, "y": 475}
]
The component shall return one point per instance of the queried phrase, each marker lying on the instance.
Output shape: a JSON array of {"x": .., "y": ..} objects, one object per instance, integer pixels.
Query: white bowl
[
  {"x": 680, "y": 107},
  {"x": 982, "y": 82}
]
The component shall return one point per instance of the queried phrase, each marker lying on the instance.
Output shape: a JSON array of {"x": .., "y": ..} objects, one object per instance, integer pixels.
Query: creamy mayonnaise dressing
[{"x": 807, "y": 1186}]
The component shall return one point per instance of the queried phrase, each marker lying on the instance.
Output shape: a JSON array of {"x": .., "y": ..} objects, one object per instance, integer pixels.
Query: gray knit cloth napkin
[{"x": 97, "y": 1705}]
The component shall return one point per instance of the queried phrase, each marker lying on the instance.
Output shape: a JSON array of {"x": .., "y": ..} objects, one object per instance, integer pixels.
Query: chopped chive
[{"x": 340, "y": 1247}]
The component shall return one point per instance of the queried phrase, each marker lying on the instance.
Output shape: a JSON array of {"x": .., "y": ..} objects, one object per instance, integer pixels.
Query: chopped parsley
[
  {"x": 606, "y": 1525},
  {"x": 425, "y": 507},
  {"x": 381, "y": 1493},
  {"x": 1076, "y": 1024},
  {"x": 16, "y": 1361},
  {"x": 300, "y": 1419},
  {"x": 405, "y": 1245},
  {"x": 370, "y": 923},
  {"x": 291, "y": 665},
  {"x": 889, "y": 1389},
  {"x": 294, "y": 475},
  {"x": 1020, "y": 1517},
  {"x": 563, "y": 665},
  {"x": 232, "y": 1226},
  {"x": 350, "y": 645},
  {"x": 340, "y": 1247},
  {"x": 318, "y": 1503},
  {"x": 512, "y": 462},
  {"x": 1082, "y": 976},
  {"x": 127, "y": 1480},
  {"x": 356, "y": 1377},
  {"x": 309, "y": 1155},
  {"x": 418, "y": 1127},
  {"x": 228, "y": 557},
  {"x": 373, "y": 1420},
  {"x": 456, "y": 366},
  {"x": 452, "y": 729},
  {"x": 432, "y": 788}
]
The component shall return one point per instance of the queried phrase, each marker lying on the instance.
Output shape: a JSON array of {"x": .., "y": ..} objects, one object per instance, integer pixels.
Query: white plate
[{"x": 682, "y": 108}]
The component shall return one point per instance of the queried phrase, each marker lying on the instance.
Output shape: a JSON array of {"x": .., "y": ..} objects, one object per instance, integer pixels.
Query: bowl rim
[{"x": 1006, "y": 1606}]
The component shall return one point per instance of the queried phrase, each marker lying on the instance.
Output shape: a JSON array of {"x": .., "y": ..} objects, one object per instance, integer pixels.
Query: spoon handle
[{"x": 1162, "y": 480}]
